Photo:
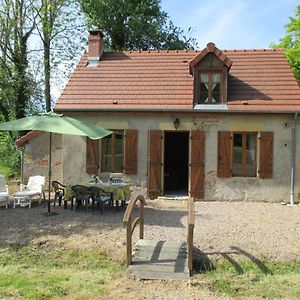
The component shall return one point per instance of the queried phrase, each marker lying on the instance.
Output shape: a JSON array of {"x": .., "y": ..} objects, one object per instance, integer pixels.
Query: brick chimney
[{"x": 96, "y": 46}]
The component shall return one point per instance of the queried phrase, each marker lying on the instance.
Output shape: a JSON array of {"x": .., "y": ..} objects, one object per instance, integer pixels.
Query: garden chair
[
  {"x": 59, "y": 192},
  {"x": 100, "y": 197},
  {"x": 33, "y": 189},
  {"x": 81, "y": 194},
  {"x": 4, "y": 197}
]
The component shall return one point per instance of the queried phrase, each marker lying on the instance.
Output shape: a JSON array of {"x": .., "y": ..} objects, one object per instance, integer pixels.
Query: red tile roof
[
  {"x": 158, "y": 80},
  {"x": 27, "y": 137}
]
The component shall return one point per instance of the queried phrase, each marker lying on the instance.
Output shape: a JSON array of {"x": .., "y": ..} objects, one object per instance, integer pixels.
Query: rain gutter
[
  {"x": 293, "y": 159},
  {"x": 62, "y": 110}
]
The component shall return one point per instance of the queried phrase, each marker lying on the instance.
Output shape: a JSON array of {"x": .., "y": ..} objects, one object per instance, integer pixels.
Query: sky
[{"x": 232, "y": 24}]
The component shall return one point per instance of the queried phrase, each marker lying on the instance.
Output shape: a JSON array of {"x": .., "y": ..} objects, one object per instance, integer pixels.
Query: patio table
[
  {"x": 121, "y": 191},
  {"x": 24, "y": 198}
]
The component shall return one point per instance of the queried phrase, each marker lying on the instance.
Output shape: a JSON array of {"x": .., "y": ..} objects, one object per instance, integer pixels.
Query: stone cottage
[{"x": 213, "y": 124}]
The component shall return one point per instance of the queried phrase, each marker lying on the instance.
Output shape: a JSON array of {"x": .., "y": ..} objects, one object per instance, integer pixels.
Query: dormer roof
[{"x": 210, "y": 48}]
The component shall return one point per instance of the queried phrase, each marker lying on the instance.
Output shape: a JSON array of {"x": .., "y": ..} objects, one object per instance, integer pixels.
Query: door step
[{"x": 171, "y": 202}]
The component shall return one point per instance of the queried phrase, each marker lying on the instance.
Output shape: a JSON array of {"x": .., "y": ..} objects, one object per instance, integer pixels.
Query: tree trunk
[{"x": 47, "y": 73}]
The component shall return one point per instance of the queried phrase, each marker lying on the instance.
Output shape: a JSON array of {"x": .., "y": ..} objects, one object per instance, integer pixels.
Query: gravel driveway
[{"x": 259, "y": 230}]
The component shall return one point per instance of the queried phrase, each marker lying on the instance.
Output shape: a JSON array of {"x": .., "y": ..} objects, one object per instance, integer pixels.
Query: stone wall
[
  {"x": 71, "y": 157},
  {"x": 36, "y": 157}
]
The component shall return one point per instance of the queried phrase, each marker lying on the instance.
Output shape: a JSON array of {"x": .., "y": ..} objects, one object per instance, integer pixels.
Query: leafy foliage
[
  {"x": 291, "y": 43},
  {"x": 9, "y": 156},
  {"x": 17, "y": 24},
  {"x": 58, "y": 27},
  {"x": 135, "y": 25}
]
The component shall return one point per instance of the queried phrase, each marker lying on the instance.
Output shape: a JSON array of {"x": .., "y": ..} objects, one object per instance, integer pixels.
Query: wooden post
[
  {"x": 131, "y": 226},
  {"x": 190, "y": 235},
  {"x": 129, "y": 242},
  {"x": 141, "y": 220}
]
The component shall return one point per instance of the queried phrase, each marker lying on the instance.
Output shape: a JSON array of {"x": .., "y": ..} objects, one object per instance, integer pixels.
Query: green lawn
[
  {"x": 31, "y": 273},
  {"x": 38, "y": 273},
  {"x": 258, "y": 279}
]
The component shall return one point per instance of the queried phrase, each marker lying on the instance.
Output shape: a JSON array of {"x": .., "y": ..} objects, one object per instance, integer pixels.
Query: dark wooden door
[
  {"x": 197, "y": 166},
  {"x": 154, "y": 164}
]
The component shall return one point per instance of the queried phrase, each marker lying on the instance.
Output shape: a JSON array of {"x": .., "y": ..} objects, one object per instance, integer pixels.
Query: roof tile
[{"x": 161, "y": 80}]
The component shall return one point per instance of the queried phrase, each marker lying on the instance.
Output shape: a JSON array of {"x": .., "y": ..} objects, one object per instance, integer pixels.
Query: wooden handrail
[
  {"x": 190, "y": 234},
  {"x": 130, "y": 226}
]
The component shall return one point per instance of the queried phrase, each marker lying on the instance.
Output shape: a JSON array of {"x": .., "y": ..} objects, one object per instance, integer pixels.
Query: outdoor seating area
[
  {"x": 98, "y": 194},
  {"x": 33, "y": 190},
  {"x": 91, "y": 196}
]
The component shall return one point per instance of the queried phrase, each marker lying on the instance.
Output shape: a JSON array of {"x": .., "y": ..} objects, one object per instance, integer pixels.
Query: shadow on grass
[{"x": 202, "y": 263}]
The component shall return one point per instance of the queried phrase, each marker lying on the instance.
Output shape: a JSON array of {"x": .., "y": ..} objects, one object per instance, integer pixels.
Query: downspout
[{"x": 293, "y": 160}]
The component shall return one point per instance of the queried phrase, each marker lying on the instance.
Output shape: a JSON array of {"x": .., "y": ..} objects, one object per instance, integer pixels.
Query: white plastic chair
[
  {"x": 4, "y": 197},
  {"x": 33, "y": 189}
]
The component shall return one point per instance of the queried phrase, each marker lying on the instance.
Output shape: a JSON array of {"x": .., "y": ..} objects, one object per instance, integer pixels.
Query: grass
[
  {"x": 34, "y": 273},
  {"x": 39, "y": 273},
  {"x": 256, "y": 279}
]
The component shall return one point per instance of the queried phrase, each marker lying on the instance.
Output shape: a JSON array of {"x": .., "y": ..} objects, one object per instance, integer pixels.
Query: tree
[
  {"x": 134, "y": 25},
  {"x": 48, "y": 12},
  {"x": 58, "y": 22},
  {"x": 15, "y": 33},
  {"x": 291, "y": 43}
]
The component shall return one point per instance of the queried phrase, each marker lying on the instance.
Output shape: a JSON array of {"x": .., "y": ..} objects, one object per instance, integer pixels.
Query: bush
[{"x": 9, "y": 156}]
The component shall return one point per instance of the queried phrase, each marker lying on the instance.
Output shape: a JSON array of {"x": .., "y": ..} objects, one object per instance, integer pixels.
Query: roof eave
[{"x": 178, "y": 110}]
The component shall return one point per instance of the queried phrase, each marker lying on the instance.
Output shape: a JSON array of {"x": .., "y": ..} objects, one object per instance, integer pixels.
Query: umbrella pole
[{"x": 49, "y": 174}]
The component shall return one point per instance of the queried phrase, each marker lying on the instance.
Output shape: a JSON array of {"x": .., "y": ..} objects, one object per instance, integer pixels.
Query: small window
[
  {"x": 210, "y": 87},
  {"x": 244, "y": 154},
  {"x": 112, "y": 152}
]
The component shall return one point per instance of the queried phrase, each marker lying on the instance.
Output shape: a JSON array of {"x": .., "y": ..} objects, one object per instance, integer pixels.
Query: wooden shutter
[
  {"x": 266, "y": 155},
  {"x": 130, "y": 163},
  {"x": 224, "y": 154},
  {"x": 92, "y": 156},
  {"x": 154, "y": 164},
  {"x": 197, "y": 170}
]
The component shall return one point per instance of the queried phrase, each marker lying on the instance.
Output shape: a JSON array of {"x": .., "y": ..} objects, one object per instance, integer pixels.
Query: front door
[{"x": 176, "y": 163}]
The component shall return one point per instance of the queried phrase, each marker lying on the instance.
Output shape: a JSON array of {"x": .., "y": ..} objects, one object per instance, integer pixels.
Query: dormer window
[
  {"x": 210, "y": 87},
  {"x": 210, "y": 68}
]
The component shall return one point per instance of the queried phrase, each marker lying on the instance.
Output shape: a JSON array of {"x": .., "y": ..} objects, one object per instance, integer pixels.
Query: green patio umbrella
[{"x": 55, "y": 123}]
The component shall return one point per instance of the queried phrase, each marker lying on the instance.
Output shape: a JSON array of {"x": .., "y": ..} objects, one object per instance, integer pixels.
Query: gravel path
[{"x": 262, "y": 230}]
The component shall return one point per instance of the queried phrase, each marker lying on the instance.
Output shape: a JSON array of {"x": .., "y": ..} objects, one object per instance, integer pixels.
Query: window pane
[
  {"x": 216, "y": 93},
  {"x": 203, "y": 93},
  {"x": 237, "y": 159},
  {"x": 203, "y": 87},
  {"x": 250, "y": 154},
  {"x": 106, "y": 154},
  {"x": 216, "y": 78},
  {"x": 112, "y": 156},
  {"x": 204, "y": 78},
  {"x": 119, "y": 156}
]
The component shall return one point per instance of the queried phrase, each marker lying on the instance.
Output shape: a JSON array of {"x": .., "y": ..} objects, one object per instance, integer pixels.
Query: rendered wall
[
  {"x": 276, "y": 189},
  {"x": 36, "y": 157}
]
